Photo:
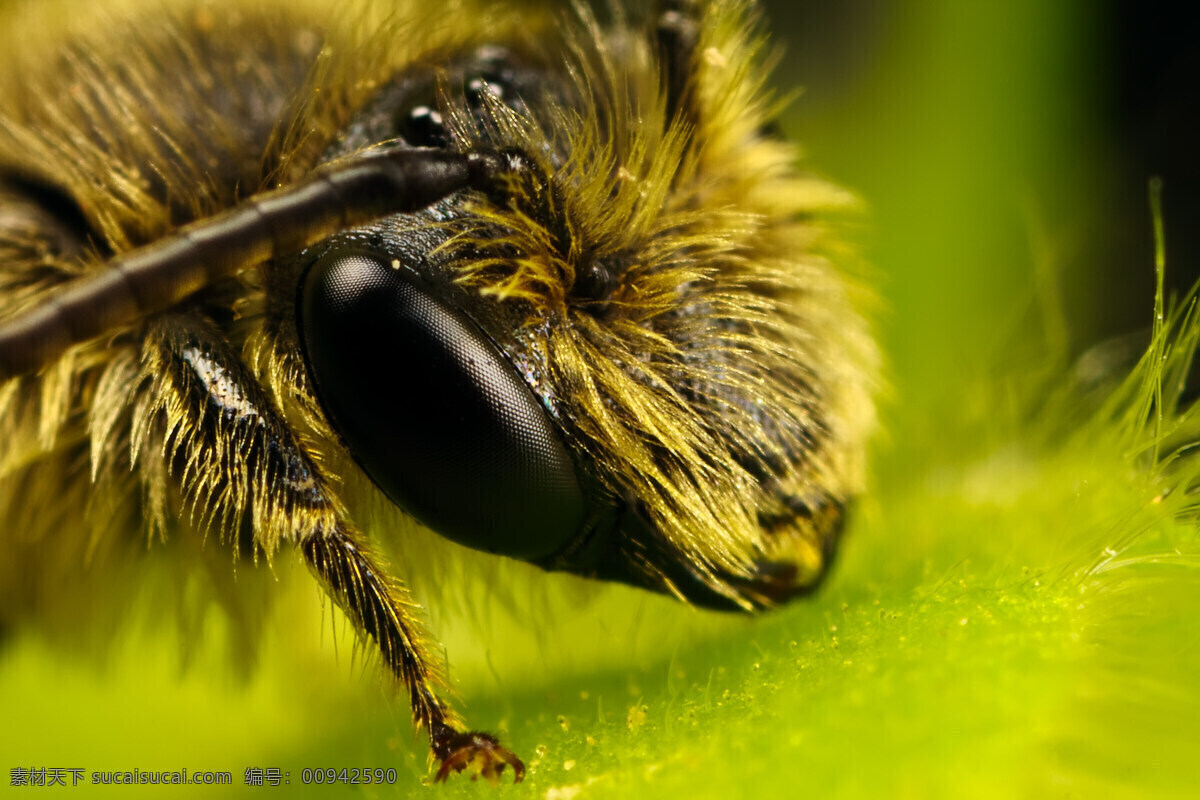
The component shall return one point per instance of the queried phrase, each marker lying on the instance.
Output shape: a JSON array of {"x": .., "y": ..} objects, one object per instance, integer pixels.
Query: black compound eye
[{"x": 433, "y": 412}]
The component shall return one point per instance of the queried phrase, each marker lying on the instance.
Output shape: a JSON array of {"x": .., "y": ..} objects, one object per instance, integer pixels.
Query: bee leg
[
  {"x": 481, "y": 751},
  {"x": 380, "y": 610},
  {"x": 235, "y": 456}
]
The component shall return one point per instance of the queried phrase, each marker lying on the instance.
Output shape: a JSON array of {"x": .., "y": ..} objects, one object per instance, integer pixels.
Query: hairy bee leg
[
  {"x": 234, "y": 455},
  {"x": 481, "y": 750},
  {"x": 365, "y": 593}
]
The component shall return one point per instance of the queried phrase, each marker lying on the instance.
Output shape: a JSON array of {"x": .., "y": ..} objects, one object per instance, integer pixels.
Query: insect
[{"x": 549, "y": 283}]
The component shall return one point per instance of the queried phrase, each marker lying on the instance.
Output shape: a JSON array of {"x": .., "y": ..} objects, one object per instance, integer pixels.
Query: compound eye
[{"x": 433, "y": 412}]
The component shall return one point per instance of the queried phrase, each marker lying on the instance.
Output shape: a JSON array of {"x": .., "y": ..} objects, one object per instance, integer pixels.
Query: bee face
[{"x": 557, "y": 295}]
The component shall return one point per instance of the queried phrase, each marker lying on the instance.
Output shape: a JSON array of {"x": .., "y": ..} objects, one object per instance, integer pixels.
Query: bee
[{"x": 550, "y": 282}]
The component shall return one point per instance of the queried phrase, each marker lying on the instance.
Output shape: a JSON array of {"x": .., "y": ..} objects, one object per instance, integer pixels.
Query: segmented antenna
[{"x": 375, "y": 184}]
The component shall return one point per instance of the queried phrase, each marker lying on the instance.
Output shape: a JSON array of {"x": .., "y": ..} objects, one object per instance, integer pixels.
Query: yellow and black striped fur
[{"x": 658, "y": 270}]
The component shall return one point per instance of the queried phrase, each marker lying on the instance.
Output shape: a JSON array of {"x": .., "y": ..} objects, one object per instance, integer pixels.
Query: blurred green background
[
  {"x": 973, "y": 640},
  {"x": 994, "y": 140}
]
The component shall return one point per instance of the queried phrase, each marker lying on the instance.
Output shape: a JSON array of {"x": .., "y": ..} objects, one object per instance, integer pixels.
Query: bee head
[
  {"x": 632, "y": 359},
  {"x": 580, "y": 309}
]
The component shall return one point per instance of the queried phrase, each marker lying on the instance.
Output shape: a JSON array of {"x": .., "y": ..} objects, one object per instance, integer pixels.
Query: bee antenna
[{"x": 337, "y": 196}]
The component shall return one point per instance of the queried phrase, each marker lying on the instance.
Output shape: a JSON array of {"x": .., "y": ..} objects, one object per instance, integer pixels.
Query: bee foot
[{"x": 479, "y": 751}]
